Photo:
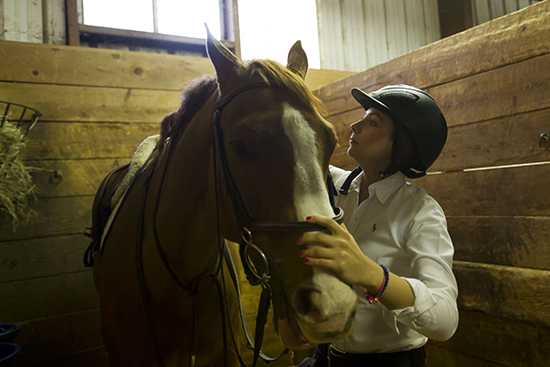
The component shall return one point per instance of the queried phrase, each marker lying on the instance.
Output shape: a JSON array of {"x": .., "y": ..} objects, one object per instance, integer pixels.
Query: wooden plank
[
  {"x": 499, "y": 340},
  {"x": 85, "y": 140},
  {"x": 522, "y": 34},
  {"x": 473, "y": 145},
  {"x": 504, "y": 291},
  {"x": 473, "y": 99},
  {"x": 42, "y": 257},
  {"x": 93, "y": 104},
  {"x": 80, "y": 177},
  {"x": 51, "y": 217},
  {"x": 44, "y": 341},
  {"x": 506, "y": 140},
  {"x": 500, "y": 192},
  {"x": 23, "y": 62},
  {"x": 496, "y": 93},
  {"x": 396, "y": 28},
  {"x": 512, "y": 241},
  {"x": 438, "y": 355},
  {"x": 47, "y": 296},
  {"x": 46, "y": 64},
  {"x": 89, "y": 358},
  {"x": 317, "y": 78}
]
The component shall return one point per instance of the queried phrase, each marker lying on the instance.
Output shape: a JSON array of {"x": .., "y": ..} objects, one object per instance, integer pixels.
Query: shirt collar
[{"x": 382, "y": 189}]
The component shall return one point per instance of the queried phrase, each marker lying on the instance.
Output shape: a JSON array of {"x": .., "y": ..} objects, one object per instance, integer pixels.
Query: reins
[{"x": 270, "y": 279}]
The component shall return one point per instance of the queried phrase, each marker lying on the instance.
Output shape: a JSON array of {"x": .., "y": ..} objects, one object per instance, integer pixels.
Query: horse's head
[{"x": 275, "y": 147}]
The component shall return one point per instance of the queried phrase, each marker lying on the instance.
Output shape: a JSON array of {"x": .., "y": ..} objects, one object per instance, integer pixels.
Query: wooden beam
[{"x": 71, "y": 14}]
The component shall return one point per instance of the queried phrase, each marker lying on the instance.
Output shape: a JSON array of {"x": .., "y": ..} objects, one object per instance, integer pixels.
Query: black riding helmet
[{"x": 418, "y": 113}]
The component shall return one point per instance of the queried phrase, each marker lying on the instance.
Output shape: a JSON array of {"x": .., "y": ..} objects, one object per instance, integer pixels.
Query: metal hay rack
[{"x": 23, "y": 123}]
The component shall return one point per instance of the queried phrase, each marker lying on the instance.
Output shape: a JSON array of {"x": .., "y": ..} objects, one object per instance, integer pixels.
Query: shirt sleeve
[{"x": 434, "y": 313}]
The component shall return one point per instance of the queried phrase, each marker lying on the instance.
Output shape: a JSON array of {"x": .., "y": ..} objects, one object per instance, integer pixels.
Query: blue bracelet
[{"x": 385, "y": 282}]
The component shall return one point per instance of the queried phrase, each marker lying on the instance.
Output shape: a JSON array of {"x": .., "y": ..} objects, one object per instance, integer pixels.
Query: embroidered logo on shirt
[{"x": 374, "y": 227}]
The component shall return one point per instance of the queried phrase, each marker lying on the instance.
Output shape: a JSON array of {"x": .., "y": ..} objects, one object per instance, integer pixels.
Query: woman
[{"x": 393, "y": 248}]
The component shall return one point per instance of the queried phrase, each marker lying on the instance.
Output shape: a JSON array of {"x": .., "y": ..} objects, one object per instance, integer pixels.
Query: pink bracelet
[{"x": 385, "y": 282}]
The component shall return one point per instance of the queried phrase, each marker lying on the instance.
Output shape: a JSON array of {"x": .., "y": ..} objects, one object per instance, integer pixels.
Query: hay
[{"x": 16, "y": 185}]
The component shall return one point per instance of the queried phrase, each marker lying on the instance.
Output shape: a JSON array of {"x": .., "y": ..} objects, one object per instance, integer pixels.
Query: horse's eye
[{"x": 239, "y": 149}]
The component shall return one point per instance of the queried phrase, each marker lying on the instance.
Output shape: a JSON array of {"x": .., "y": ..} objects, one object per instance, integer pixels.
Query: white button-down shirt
[{"x": 403, "y": 228}]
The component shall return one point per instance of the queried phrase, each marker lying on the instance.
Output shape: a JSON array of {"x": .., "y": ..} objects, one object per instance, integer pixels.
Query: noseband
[
  {"x": 245, "y": 222},
  {"x": 269, "y": 277}
]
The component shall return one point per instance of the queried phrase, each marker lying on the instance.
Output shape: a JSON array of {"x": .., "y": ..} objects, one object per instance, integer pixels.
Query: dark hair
[{"x": 404, "y": 148}]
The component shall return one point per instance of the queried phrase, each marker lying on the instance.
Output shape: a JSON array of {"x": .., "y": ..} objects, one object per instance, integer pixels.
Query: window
[
  {"x": 172, "y": 17},
  {"x": 267, "y": 28}
]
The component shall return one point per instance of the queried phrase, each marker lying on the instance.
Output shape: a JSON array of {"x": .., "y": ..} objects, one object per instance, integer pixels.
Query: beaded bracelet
[{"x": 385, "y": 282}]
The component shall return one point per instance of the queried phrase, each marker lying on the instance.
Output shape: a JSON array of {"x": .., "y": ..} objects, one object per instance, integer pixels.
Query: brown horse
[{"x": 255, "y": 169}]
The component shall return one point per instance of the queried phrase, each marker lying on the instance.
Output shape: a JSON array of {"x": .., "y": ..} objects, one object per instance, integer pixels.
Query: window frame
[{"x": 77, "y": 31}]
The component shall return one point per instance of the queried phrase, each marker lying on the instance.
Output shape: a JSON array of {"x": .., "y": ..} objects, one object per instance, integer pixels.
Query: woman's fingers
[
  {"x": 327, "y": 222},
  {"x": 317, "y": 253}
]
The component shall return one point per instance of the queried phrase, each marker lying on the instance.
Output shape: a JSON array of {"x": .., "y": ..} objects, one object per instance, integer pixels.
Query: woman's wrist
[{"x": 373, "y": 277}]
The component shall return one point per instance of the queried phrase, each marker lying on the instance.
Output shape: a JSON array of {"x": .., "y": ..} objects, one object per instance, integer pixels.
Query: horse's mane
[
  {"x": 197, "y": 92},
  {"x": 193, "y": 97}
]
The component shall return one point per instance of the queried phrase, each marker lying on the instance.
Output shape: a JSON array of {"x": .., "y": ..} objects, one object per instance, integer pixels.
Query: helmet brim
[{"x": 369, "y": 102}]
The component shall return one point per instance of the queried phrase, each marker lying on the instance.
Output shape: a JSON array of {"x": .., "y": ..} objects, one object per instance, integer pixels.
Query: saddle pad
[{"x": 141, "y": 155}]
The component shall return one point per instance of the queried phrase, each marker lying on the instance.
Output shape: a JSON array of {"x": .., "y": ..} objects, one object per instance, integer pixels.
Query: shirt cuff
[{"x": 415, "y": 316}]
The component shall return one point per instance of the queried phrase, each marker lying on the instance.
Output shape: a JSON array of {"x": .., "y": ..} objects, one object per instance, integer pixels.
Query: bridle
[{"x": 269, "y": 278}]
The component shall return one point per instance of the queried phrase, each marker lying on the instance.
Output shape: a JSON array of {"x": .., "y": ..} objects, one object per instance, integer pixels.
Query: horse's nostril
[{"x": 303, "y": 303}]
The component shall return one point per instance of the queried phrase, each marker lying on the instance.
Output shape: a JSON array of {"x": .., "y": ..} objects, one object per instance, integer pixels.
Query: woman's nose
[{"x": 355, "y": 127}]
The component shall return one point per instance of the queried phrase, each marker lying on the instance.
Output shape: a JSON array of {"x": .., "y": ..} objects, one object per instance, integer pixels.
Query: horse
[{"x": 244, "y": 158}]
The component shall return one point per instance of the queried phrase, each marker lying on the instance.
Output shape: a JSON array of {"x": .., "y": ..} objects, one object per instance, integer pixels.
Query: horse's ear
[
  {"x": 227, "y": 65},
  {"x": 297, "y": 60}
]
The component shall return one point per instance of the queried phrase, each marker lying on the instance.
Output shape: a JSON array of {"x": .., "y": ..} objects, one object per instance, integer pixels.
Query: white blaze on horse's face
[{"x": 325, "y": 308}]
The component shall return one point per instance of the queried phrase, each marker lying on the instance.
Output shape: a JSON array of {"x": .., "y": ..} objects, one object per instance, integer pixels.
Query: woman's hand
[{"x": 338, "y": 252}]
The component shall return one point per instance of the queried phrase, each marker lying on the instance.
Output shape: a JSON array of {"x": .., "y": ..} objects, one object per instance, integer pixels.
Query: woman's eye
[
  {"x": 372, "y": 122},
  {"x": 239, "y": 149}
]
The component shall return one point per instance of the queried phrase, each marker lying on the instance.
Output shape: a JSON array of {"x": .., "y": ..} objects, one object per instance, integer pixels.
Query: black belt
[{"x": 409, "y": 358}]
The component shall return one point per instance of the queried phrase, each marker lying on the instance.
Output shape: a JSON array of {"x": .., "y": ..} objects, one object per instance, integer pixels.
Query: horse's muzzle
[{"x": 326, "y": 309}]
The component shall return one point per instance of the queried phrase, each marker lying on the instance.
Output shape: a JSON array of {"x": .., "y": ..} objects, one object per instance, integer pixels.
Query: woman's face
[{"x": 371, "y": 140}]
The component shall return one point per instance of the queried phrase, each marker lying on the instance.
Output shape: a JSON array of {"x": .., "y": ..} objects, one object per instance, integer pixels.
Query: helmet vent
[{"x": 401, "y": 98}]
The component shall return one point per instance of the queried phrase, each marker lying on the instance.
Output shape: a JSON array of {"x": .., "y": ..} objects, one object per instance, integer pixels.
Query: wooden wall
[
  {"x": 493, "y": 84},
  {"x": 97, "y": 106}
]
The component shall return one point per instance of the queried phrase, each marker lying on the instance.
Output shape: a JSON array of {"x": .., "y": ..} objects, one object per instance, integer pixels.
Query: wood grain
[
  {"x": 63, "y": 141},
  {"x": 474, "y": 51},
  {"x": 500, "y": 341},
  {"x": 500, "y": 192},
  {"x": 512, "y": 241},
  {"x": 504, "y": 291}
]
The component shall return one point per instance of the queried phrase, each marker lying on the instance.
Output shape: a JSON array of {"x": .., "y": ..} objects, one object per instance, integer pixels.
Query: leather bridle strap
[
  {"x": 241, "y": 214},
  {"x": 270, "y": 281}
]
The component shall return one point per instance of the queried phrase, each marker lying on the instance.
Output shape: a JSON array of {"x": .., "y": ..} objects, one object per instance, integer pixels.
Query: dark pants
[{"x": 326, "y": 357}]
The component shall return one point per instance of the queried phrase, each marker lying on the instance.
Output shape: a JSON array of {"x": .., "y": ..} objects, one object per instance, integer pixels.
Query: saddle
[
  {"x": 111, "y": 192},
  {"x": 102, "y": 209}
]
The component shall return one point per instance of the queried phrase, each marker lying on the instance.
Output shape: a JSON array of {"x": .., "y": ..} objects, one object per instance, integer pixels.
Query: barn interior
[{"x": 101, "y": 91}]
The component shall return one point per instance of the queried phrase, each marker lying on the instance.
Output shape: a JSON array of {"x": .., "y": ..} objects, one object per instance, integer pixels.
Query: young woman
[{"x": 393, "y": 248}]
